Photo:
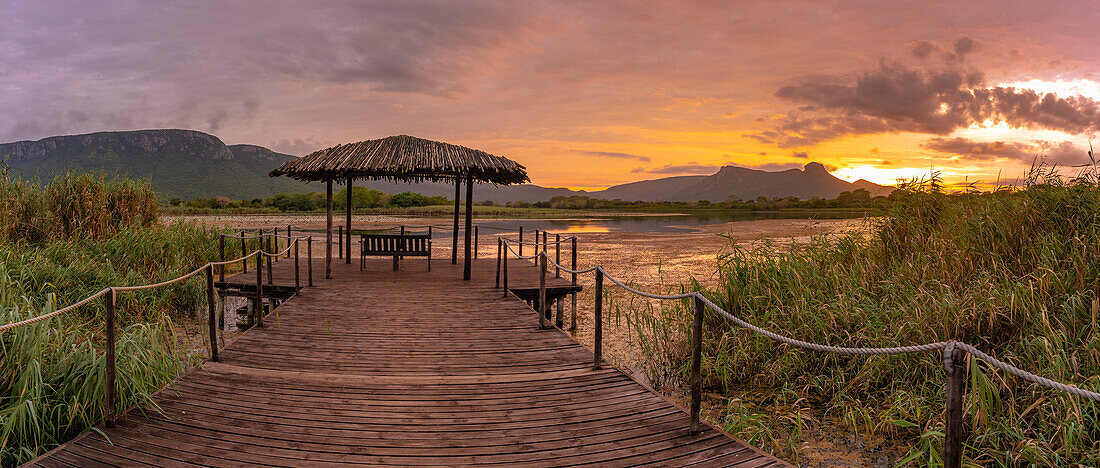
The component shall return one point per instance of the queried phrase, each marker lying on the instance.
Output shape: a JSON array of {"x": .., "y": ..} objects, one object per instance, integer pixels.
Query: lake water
[{"x": 644, "y": 223}]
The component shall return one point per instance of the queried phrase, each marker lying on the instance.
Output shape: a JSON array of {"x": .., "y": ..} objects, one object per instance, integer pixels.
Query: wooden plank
[{"x": 405, "y": 368}]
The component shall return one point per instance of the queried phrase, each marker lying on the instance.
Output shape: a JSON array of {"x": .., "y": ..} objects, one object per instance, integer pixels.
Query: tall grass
[
  {"x": 1016, "y": 273},
  {"x": 70, "y": 239}
]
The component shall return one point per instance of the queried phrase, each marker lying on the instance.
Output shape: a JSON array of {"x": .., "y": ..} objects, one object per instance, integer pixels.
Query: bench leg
[
  {"x": 395, "y": 263},
  {"x": 429, "y": 262}
]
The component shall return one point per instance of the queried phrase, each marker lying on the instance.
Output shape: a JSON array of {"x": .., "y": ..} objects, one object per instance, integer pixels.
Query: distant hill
[
  {"x": 183, "y": 164},
  {"x": 744, "y": 183},
  {"x": 188, "y": 164}
]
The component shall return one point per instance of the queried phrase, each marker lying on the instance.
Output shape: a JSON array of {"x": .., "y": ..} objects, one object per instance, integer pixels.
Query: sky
[{"x": 584, "y": 94}]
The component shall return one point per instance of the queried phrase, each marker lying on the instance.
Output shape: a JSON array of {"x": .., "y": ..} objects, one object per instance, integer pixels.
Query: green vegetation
[
  {"x": 856, "y": 199},
  {"x": 60, "y": 243},
  {"x": 1012, "y": 272}
]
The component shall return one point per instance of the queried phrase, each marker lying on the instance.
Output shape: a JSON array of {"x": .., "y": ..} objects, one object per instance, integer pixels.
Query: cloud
[
  {"x": 800, "y": 155},
  {"x": 613, "y": 154},
  {"x": 921, "y": 49},
  {"x": 896, "y": 98},
  {"x": 692, "y": 168},
  {"x": 1064, "y": 153},
  {"x": 297, "y": 147}
]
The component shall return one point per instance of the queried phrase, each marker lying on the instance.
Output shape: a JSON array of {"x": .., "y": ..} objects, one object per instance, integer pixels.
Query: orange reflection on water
[{"x": 585, "y": 228}]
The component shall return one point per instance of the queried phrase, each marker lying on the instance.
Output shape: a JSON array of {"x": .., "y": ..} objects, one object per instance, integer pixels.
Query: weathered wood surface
[{"x": 405, "y": 368}]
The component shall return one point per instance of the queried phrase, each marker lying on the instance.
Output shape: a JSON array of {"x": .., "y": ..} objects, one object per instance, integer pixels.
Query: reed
[
  {"x": 88, "y": 232},
  {"x": 1012, "y": 272}
]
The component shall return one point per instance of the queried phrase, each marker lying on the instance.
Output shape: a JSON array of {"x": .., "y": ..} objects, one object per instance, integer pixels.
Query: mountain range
[{"x": 188, "y": 164}]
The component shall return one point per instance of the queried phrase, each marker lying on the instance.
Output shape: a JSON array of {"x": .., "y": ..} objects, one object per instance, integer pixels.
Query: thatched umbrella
[{"x": 409, "y": 159}]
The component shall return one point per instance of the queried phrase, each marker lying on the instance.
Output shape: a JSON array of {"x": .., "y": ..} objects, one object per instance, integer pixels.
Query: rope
[
  {"x": 9, "y": 326},
  {"x": 940, "y": 345},
  {"x": 563, "y": 239},
  {"x": 517, "y": 254}
]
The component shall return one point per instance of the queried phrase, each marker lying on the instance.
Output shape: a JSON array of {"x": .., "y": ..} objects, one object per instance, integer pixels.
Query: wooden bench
[{"x": 396, "y": 246}]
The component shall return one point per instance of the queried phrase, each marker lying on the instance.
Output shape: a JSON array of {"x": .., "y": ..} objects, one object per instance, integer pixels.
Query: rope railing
[
  {"x": 208, "y": 268},
  {"x": 954, "y": 352}
]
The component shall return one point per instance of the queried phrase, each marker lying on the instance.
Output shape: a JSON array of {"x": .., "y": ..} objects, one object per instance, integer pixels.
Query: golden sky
[{"x": 585, "y": 94}]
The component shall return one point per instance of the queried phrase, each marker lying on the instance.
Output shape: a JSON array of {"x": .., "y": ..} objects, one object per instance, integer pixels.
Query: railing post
[
  {"x": 542, "y": 291},
  {"x": 110, "y": 392},
  {"x": 221, "y": 257},
  {"x": 544, "y": 245},
  {"x": 954, "y": 360},
  {"x": 504, "y": 267},
  {"x": 309, "y": 264},
  {"x": 521, "y": 240},
  {"x": 557, "y": 255},
  {"x": 259, "y": 320},
  {"x": 597, "y": 331},
  {"x": 244, "y": 254},
  {"x": 573, "y": 296},
  {"x": 275, "y": 239},
  {"x": 211, "y": 321},
  {"x": 475, "y": 241},
  {"x": 696, "y": 364},
  {"x": 500, "y": 244},
  {"x": 270, "y": 280},
  {"x": 297, "y": 270},
  {"x": 559, "y": 319}
]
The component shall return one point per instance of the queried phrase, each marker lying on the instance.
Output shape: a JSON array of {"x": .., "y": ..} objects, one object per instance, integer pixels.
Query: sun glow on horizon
[{"x": 884, "y": 176}]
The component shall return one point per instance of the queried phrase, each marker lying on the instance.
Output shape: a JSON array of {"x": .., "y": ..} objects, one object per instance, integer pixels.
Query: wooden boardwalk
[{"x": 405, "y": 368}]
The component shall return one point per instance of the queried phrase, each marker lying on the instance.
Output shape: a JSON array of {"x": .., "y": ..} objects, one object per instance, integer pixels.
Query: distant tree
[
  {"x": 175, "y": 202},
  {"x": 407, "y": 199}
]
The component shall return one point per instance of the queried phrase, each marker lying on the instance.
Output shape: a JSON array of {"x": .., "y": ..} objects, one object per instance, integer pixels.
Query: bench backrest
[{"x": 386, "y": 244}]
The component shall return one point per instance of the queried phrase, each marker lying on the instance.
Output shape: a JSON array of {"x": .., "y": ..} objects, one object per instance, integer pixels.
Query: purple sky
[{"x": 586, "y": 94}]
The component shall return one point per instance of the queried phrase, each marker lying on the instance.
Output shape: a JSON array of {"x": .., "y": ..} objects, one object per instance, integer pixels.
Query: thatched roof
[{"x": 403, "y": 158}]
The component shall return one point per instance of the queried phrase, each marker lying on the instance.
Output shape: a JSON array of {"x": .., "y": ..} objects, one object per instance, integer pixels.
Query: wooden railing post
[
  {"x": 557, "y": 255},
  {"x": 270, "y": 280},
  {"x": 275, "y": 239},
  {"x": 953, "y": 415},
  {"x": 210, "y": 309},
  {"x": 259, "y": 319},
  {"x": 297, "y": 270},
  {"x": 542, "y": 291},
  {"x": 244, "y": 254},
  {"x": 500, "y": 244},
  {"x": 504, "y": 268},
  {"x": 544, "y": 241},
  {"x": 573, "y": 296},
  {"x": 309, "y": 264},
  {"x": 696, "y": 364},
  {"x": 110, "y": 393},
  {"x": 597, "y": 331},
  {"x": 521, "y": 241},
  {"x": 221, "y": 257}
]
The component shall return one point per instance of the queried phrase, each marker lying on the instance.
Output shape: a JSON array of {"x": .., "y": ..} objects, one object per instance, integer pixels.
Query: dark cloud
[
  {"x": 921, "y": 49},
  {"x": 800, "y": 154},
  {"x": 896, "y": 98},
  {"x": 613, "y": 154},
  {"x": 1064, "y": 153},
  {"x": 691, "y": 168}
]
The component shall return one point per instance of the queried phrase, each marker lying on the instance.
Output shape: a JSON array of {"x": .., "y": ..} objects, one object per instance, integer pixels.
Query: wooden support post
[
  {"x": 454, "y": 231},
  {"x": 521, "y": 241},
  {"x": 212, "y": 324},
  {"x": 347, "y": 255},
  {"x": 340, "y": 241},
  {"x": 309, "y": 264},
  {"x": 544, "y": 244},
  {"x": 221, "y": 257},
  {"x": 297, "y": 270},
  {"x": 500, "y": 246},
  {"x": 259, "y": 309},
  {"x": 504, "y": 268},
  {"x": 573, "y": 296},
  {"x": 559, "y": 318},
  {"x": 110, "y": 392},
  {"x": 953, "y": 416},
  {"x": 469, "y": 224},
  {"x": 557, "y": 255},
  {"x": 270, "y": 280},
  {"x": 597, "y": 332},
  {"x": 475, "y": 241},
  {"x": 542, "y": 309},
  {"x": 244, "y": 254},
  {"x": 328, "y": 229},
  {"x": 696, "y": 364},
  {"x": 275, "y": 240}
]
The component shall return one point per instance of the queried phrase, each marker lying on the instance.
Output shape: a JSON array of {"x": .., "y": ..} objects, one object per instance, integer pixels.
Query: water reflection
[{"x": 655, "y": 223}]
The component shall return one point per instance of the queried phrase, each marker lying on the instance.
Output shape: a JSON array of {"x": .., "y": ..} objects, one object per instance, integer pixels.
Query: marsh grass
[
  {"x": 68, "y": 240},
  {"x": 1015, "y": 273}
]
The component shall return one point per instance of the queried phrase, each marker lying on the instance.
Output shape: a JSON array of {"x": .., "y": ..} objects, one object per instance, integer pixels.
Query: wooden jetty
[{"x": 379, "y": 367}]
